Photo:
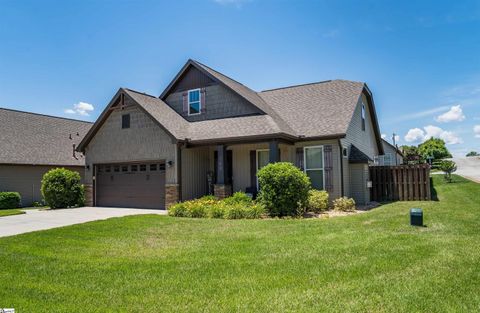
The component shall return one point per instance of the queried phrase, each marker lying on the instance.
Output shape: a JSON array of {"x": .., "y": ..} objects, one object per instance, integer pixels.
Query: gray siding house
[
  {"x": 209, "y": 134},
  {"x": 32, "y": 144}
]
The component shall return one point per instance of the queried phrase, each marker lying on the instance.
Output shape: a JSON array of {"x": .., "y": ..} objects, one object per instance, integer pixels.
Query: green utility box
[{"x": 416, "y": 217}]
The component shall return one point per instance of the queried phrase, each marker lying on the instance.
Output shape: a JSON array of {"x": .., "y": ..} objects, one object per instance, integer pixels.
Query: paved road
[
  {"x": 468, "y": 168},
  {"x": 35, "y": 220}
]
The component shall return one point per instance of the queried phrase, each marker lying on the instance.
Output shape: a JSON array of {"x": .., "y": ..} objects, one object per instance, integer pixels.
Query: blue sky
[{"x": 421, "y": 59}]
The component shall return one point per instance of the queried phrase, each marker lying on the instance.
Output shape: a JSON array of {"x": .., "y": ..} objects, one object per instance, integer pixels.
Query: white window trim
[
  {"x": 199, "y": 102},
  {"x": 256, "y": 161},
  {"x": 313, "y": 169}
]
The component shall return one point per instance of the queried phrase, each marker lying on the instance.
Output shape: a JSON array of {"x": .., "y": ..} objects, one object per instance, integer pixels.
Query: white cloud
[
  {"x": 421, "y": 114},
  {"x": 397, "y": 138},
  {"x": 418, "y": 135},
  {"x": 384, "y": 136},
  {"x": 455, "y": 114},
  {"x": 81, "y": 108},
  {"x": 476, "y": 130},
  {"x": 415, "y": 135}
]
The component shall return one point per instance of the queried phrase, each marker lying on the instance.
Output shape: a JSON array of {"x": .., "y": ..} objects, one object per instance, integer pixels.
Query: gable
[{"x": 192, "y": 79}]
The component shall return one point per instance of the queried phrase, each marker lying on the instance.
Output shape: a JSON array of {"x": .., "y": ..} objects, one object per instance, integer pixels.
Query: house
[
  {"x": 207, "y": 133},
  {"x": 31, "y": 144},
  {"x": 392, "y": 156}
]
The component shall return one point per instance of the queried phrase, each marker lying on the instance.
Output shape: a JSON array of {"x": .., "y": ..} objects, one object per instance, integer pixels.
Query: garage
[{"x": 131, "y": 185}]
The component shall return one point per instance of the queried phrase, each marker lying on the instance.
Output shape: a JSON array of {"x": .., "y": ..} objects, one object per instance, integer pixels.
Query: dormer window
[
  {"x": 363, "y": 116},
  {"x": 194, "y": 104}
]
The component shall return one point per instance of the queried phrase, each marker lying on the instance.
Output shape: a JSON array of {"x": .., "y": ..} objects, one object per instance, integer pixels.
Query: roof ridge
[
  {"x": 299, "y": 85},
  {"x": 140, "y": 92},
  {"x": 46, "y": 115}
]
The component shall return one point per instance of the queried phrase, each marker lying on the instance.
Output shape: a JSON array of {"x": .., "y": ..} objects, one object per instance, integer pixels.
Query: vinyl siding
[
  {"x": 195, "y": 166},
  {"x": 358, "y": 180},
  {"x": 389, "y": 149},
  {"x": 220, "y": 103},
  {"x": 27, "y": 180},
  {"x": 143, "y": 141}
]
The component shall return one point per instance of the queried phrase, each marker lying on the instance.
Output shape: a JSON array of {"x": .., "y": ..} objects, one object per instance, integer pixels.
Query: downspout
[{"x": 341, "y": 166}]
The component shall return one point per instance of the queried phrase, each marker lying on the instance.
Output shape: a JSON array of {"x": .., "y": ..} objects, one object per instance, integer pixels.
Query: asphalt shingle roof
[{"x": 29, "y": 138}]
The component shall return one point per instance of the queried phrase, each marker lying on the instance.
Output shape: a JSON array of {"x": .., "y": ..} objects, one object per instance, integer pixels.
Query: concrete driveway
[
  {"x": 468, "y": 168},
  {"x": 35, "y": 220}
]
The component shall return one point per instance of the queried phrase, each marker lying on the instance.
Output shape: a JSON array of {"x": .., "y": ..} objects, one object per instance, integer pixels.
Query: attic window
[
  {"x": 363, "y": 116},
  {"x": 125, "y": 121},
  {"x": 194, "y": 105}
]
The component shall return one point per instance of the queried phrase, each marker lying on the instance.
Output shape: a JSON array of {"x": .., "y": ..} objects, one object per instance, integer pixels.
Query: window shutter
[
  {"x": 203, "y": 93},
  {"x": 185, "y": 102},
  {"x": 253, "y": 169},
  {"x": 328, "y": 166},
  {"x": 299, "y": 158}
]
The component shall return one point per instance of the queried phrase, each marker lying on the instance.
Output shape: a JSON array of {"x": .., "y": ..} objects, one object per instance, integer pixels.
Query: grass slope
[
  {"x": 371, "y": 262},
  {"x": 10, "y": 212}
]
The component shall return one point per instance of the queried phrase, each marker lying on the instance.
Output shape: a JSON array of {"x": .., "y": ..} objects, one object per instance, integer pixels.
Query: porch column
[
  {"x": 221, "y": 189},
  {"x": 274, "y": 155}
]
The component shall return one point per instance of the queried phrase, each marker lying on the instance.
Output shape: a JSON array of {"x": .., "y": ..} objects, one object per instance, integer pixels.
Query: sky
[{"x": 420, "y": 59}]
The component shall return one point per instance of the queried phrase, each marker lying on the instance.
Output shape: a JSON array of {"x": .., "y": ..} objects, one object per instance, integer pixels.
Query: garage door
[{"x": 139, "y": 185}]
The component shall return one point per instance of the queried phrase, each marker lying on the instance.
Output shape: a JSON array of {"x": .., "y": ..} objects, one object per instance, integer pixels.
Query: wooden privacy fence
[{"x": 403, "y": 182}]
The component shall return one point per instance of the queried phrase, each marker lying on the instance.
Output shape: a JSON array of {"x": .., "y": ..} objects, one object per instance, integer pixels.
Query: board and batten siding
[
  {"x": 143, "y": 141},
  {"x": 195, "y": 166},
  {"x": 363, "y": 140},
  {"x": 220, "y": 102},
  {"x": 27, "y": 180}
]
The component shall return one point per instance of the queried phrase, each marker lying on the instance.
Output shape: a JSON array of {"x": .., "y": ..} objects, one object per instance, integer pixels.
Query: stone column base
[
  {"x": 172, "y": 194},
  {"x": 222, "y": 191},
  {"x": 88, "y": 194}
]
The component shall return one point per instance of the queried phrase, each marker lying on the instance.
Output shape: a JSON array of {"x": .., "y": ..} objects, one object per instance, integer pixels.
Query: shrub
[
  {"x": 344, "y": 204},
  {"x": 254, "y": 211},
  {"x": 61, "y": 188},
  {"x": 317, "y": 201},
  {"x": 10, "y": 200},
  {"x": 235, "y": 211},
  {"x": 238, "y": 197},
  {"x": 448, "y": 167},
  {"x": 283, "y": 189},
  {"x": 37, "y": 204},
  {"x": 178, "y": 210},
  {"x": 216, "y": 211}
]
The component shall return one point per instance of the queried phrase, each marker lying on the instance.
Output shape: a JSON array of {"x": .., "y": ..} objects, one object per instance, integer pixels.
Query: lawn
[
  {"x": 10, "y": 212},
  {"x": 370, "y": 262}
]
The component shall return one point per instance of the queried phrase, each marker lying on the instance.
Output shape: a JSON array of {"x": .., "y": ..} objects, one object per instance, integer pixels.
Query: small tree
[
  {"x": 448, "y": 167},
  {"x": 472, "y": 153},
  {"x": 61, "y": 188},
  {"x": 283, "y": 189}
]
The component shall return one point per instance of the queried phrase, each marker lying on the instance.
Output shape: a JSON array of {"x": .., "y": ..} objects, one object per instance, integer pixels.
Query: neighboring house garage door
[{"x": 139, "y": 185}]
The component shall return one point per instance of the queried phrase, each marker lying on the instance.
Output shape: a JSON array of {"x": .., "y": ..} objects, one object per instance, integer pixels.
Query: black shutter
[
  {"x": 328, "y": 166},
  {"x": 253, "y": 169},
  {"x": 203, "y": 103},
  {"x": 299, "y": 158}
]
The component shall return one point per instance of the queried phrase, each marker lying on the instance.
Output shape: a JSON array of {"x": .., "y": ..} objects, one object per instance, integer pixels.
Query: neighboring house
[
  {"x": 32, "y": 144},
  {"x": 207, "y": 133},
  {"x": 393, "y": 156}
]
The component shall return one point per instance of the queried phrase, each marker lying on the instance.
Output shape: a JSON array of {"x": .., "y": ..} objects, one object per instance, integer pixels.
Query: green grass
[
  {"x": 370, "y": 262},
  {"x": 10, "y": 212}
]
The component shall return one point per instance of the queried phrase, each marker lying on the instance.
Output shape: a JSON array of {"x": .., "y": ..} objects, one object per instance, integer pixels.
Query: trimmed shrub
[
  {"x": 61, "y": 188},
  {"x": 10, "y": 200},
  {"x": 283, "y": 189},
  {"x": 317, "y": 201},
  {"x": 344, "y": 204},
  {"x": 238, "y": 197}
]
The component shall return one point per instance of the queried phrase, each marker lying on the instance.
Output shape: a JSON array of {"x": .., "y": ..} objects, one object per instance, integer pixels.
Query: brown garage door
[{"x": 139, "y": 185}]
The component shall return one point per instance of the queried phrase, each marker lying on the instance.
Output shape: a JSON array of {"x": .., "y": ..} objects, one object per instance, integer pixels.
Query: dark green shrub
[
  {"x": 344, "y": 204},
  {"x": 61, "y": 188},
  {"x": 283, "y": 189},
  {"x": 10, "y": 200},
  {"x": 317, "y": 201},
  {"x": 238, "y": 197}
]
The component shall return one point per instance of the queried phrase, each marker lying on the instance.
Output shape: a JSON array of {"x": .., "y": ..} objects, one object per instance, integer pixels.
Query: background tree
[
  {"x": 410, "y": 154},
  {"x": 434, "y": 147},
  {"x": 472, "y": 153}
]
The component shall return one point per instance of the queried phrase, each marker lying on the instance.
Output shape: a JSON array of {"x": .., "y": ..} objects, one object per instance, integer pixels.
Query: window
[
  {"x": 125, "y": 121},
  {"x": 161, "y": 167},
  {"x": 313, "y": 160},
  {"x": 263, "y": 158},
  {"x": 143, "y": 167},
  {"x": 116, "y": 168},
  {"x": 124, "y": 168},
  {"x": 107, "y": 168},
  {"x": 363, "y": 116},
  {"x": 153, "y": 167},
  {"x": 194, "y": 105},
  {"x": 345, "y": 152},
  {"x": 134, "y": 168}
]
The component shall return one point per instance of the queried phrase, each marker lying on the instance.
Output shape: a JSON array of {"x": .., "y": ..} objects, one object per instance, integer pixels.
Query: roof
[
  {"x": 357, "y": 156},
  {"x": 36, "y": 139},
  {"x": 316, "y": 110}
]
